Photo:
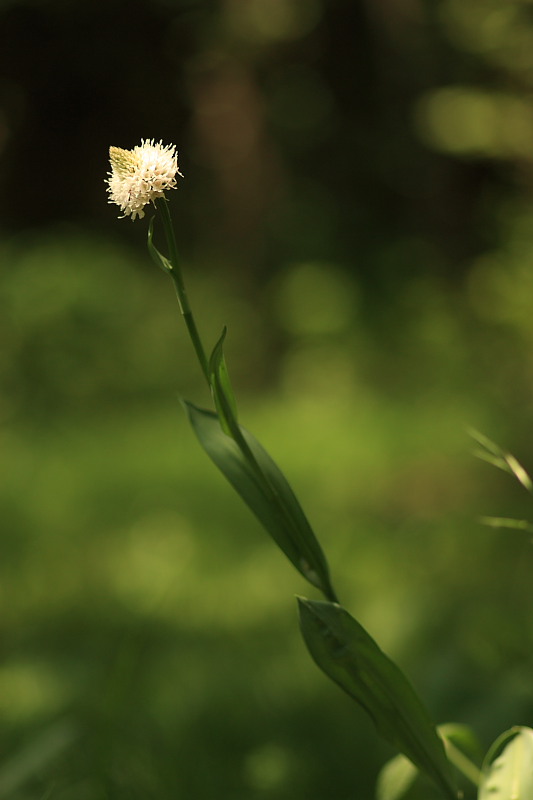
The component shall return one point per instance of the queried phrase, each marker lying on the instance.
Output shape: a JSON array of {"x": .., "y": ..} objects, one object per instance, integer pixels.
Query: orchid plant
[{"x": 336, "y": 641}]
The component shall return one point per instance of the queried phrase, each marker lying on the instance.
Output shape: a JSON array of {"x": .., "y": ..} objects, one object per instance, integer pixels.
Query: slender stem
[
  {"x": 463, "y": 764},
  {"x": 181, "y": 291},
  {"x": 274, "y": 497},
  {"x": 263, "y": 483}
]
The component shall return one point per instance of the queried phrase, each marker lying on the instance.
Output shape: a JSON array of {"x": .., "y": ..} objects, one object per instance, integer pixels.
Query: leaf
[
  {"x": 460, "y": 735},
  {"x": 492, "y": 453},
  {"x": 519, "y": 472},
  {"x": 221, "y": 387},
  {"x": 159, "y": 259},
  {"x": 508, "y": 767},
  {"x": 399, "y": 774},
  {"x": 506, "y": 522},
  {"x": 396, "y": 778},
  {"x": 349, "y": 656},
  {"x": 461, "y": 745},
  {"x": 264, "y": 488}
]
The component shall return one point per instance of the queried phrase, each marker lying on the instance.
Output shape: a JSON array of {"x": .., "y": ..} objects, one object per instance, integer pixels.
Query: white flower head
[{"x": 141, "y": 175}]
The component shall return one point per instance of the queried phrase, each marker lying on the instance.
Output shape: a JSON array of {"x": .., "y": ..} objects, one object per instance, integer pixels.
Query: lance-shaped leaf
[
  {"x": 349, "y": 656},
  {"x": 264, "y": 488},
  {"x": 508, "y": 767}
]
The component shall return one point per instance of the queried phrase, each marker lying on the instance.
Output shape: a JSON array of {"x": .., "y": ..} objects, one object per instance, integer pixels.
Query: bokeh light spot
[
  {"x": 464, "y": 120},
  {"x": 276, "y": 20},
  {"x": 316, "y": 298},
  {"x": 267, "y": 767}
]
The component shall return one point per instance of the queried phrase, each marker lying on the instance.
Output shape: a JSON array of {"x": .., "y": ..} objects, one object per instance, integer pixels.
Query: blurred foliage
[{"x": 357, "y": 207}]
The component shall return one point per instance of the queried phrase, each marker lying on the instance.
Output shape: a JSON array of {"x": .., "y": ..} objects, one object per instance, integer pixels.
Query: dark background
[{"x": 357, "y": 207}]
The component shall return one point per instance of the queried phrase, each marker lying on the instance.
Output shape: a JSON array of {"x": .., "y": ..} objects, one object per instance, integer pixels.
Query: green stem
[
  {"x": 462, "y": 763},
  {"x": 263, "y": 482},
  {"x": 181, "y": 291}
]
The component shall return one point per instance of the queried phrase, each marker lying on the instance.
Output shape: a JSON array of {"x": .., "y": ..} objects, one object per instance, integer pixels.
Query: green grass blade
[
  {"x": 493, "y": 454},
  {"x": 506, "y": 522},
  {"x": 349, "y": 656}
]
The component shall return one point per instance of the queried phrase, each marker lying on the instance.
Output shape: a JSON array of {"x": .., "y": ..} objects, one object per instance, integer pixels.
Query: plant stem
[
  {"x": 181, "y": 291},
  {"x": 463, "y": 764},
  {"x": 263, "y": 483}
]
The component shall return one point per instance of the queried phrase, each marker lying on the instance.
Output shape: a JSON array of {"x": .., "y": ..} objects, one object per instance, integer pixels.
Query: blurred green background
[{"x": 358, "y": 209}]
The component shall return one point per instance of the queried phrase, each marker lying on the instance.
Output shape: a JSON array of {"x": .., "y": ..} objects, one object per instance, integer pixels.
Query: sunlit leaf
[
  {"x": 506, "y": 522},
  {"x": 264, "y": 488},
  {"x": 349, "y": 656},
  {"x": 462, "y": 745},
  {"x": 396, "y": 778},
  {"x": 519, "y": 472},
  {"x": 508, "y": 767},
  {"x": 492, "y": 453}
]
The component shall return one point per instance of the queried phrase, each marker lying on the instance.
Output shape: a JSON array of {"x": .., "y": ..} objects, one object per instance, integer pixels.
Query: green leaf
[
  {"x": 462, "y": 746},
  {"x": 492, "y": 453},
  {"x": 505, "y": 522},
  {"x": 508, "y": 767},
  {"x": 349, "y": 656},
  {"x": 264, "y": 488},
  {"x": 222, "y": 390},
  {"x": 396, "y": 778},
  {"x": 399, "y": 774},
  {"x": 159, "y": 259}
]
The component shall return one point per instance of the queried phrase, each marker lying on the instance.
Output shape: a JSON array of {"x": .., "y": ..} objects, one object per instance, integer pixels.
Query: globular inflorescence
[{"x": 141, "y": 175}]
